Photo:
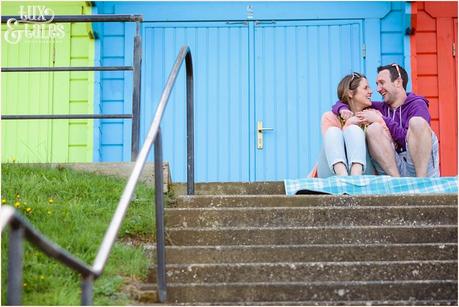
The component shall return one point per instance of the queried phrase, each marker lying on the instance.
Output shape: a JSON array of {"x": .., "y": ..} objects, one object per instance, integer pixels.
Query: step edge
[
  {"x": 293, "y": 208},
  {"x": 314, "y": 263},
  {"x": 350, "y": 245},
  {"x": 447, "y": 226},
  {"x": 317, "y": 283}
]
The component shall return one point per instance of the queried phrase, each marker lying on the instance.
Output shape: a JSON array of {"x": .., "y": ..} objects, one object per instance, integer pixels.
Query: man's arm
[{"x": 340, "y": 106}]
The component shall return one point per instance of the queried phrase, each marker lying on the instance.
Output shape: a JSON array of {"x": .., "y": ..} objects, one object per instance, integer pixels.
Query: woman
[{"x": 344, "y": 150}]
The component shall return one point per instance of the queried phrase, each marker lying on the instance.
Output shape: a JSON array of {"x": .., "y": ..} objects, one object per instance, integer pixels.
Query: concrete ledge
[
  {"x": 242, "y": 293},
  {"x": 310, "y": 271},
  {"x": 118, "y": 169},
  {"x": 311, "y": 235},
  {"x": 233, "y": 188},
  {"x": 201, "y": 201},
  {"x": 307, "y": 252},
  {"x": 311, "y": 216}
]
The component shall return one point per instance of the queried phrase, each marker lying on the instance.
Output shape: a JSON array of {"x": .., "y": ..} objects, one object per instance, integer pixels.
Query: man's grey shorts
[{"x": 406, "y": 166}]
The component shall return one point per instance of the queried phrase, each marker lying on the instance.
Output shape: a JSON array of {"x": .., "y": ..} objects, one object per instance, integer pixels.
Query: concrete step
[
  {"x": 334, "y": 303},
  {"x": 244, "y": 293},
  {"x": 306, "y": 253},
  {"x": 232, "y": 188},
  {"x": 311, "y": 216},
  {"x": 249, "y": 244},
  {"x": 309, "y": 271},
  {"x": 311, "y": 235},
  {"x": 202, "y": 201}
]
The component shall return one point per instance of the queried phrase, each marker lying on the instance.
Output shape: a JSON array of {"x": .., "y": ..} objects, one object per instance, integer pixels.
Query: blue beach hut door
[
  {"x": 297, "y": 68},
  {"x": 221, "y": 96}
]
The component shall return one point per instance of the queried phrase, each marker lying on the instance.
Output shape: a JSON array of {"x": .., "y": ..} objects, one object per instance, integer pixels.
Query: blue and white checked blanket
[{"x": 369, "y": 184}]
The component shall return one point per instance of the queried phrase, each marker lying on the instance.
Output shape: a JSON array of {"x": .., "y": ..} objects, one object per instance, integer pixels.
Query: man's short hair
[{"x": 396, "y": 71}]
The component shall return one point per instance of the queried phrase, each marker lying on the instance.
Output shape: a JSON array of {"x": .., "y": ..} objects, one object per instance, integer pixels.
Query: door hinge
[
  {"x": 364, "y": 51},
  {"x": 454, "y": 50}
]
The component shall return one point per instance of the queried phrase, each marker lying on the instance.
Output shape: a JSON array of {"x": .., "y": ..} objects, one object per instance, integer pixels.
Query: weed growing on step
[{"x": 74, "y": 210}]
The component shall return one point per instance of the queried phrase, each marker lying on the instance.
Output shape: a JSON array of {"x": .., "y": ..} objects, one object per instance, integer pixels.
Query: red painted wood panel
[
  {"x": 425, "y": 22},
  {"x": 436, "y": 128},
  {"x": 429, "y": 64},
  {"x": 441, "y": 8},
  {"x": 427, "y": 85},
  {"x": 434, "y": 73},
  {"x": 433, "y": 107},
  {"x": 426, "y": 42},
  {"x": 455, "y": 56},
  {"x": 447, "y": 94}
]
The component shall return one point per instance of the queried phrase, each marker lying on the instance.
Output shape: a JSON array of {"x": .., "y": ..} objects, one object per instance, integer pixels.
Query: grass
[{"x": 74, "y": 209}]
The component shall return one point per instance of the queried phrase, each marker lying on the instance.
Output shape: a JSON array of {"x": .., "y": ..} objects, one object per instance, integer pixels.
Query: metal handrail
[
  {"x": 67, "y": 68},
  {"x": 20, "y": 228},
  {"x": 154, "y": 135}
]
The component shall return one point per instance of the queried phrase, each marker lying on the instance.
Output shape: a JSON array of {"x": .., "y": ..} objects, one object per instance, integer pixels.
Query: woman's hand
[
  {"x": 354, "y": 120},
  {"x": 368, "y": 116}
]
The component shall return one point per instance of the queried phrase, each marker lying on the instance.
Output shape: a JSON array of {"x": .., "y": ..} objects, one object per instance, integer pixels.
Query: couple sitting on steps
[{"x": 367, "y": 137}]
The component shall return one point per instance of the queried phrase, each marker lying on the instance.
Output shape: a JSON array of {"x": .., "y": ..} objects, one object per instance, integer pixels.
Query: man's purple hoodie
[{"x": 397, "y": 120}]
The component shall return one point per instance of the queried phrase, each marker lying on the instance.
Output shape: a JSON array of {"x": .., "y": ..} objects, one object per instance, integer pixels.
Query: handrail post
[
  {"x": 15, "y": 257},
  {"x": 190, "y": 123},
  {"x": 137, "y": 62},
  {"x": 159, "y": 199},
  {"x": 87, "y": 290}
]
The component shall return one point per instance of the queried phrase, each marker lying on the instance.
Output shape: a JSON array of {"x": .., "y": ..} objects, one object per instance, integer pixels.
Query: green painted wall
[{"x": 48, "y": 92}]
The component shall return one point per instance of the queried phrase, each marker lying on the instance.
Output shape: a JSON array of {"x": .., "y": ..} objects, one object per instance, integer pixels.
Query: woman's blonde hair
[{"x": 349, "y": 83}]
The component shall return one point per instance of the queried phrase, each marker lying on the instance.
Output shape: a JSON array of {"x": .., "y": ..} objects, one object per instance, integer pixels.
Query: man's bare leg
[
  {"x": 419, "y": 139},
  {"x": 381, "y": 149}
]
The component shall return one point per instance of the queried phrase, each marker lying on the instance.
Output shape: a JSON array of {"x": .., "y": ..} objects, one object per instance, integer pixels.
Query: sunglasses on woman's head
[{"x": 355, "y": 75}]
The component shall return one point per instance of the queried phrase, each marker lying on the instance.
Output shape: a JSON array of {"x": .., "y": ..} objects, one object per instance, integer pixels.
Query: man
[{"x": 413, "y": 149}]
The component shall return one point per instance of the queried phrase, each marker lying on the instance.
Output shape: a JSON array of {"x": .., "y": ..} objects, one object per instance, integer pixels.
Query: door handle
[{"x": 260, "y": 130}]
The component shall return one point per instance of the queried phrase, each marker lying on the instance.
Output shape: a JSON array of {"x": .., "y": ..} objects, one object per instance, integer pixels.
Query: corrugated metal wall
[
  {"x": 48, "y": 93},
  {"x": 265, "y": 75}
]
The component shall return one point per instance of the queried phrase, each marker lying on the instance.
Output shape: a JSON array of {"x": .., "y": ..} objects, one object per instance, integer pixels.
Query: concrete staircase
[{"x": 246, "y": 243}]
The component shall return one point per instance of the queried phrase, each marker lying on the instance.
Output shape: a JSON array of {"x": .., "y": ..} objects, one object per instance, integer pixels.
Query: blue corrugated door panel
[
  {"x": 297, "y": 68},
  {"x": 220, "y": 61},
  {"x": 115, "y": 92}
]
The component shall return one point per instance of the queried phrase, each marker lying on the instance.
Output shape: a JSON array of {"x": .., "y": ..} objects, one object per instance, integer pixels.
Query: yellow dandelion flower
[
  {"x": 49, "y": 212},
  {"x": 50, "y": 200},
  {"x": 17, "y": 204},
  {"x": 3, "y": 200},
  {"x": 42, "y": 277},
  {"x": 29, "y": 210},
  {"x": 25, "y": 284}
]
